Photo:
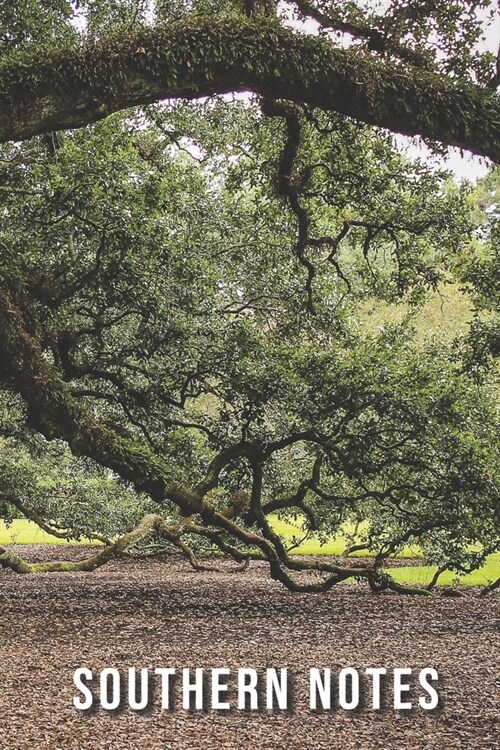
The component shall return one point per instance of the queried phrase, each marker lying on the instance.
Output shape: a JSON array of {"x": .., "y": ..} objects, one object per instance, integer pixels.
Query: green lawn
[
  {"x": 416, "y": 575},
  {"x": 334, "y": 546},
  {"x": 26, "y": 532},
  {"x": 420, "y": 575}
]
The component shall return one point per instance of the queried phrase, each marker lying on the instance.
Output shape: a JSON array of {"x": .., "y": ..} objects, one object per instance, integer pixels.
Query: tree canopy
[{"x": 186, "y": 272}]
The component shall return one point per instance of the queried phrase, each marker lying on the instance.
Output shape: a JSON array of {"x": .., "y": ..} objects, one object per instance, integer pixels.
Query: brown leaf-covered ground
[{"x": 163, "y": 614}]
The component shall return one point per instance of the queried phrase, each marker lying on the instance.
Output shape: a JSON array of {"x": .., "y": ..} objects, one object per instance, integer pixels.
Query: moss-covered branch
[
  {"x": 56, "y": 414},
  {"x": 71, "y": 87},
  {"x": 18, "y": 564},
  {"x": 149, "y": 524}
]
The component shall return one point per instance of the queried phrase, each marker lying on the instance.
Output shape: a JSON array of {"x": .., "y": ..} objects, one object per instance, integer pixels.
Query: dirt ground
[{"x": 162, "y": 614}]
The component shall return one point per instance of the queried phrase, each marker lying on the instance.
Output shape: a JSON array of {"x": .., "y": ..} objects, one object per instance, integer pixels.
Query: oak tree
[{"x": 200, "y": 202}]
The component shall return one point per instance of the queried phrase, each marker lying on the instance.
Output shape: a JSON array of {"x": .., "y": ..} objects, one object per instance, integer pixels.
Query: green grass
[
  {"x": 335, "y": 545},
  {"x": 420, "y": 575},
  {"x": 415, "y": 575},
  {"x": 26, "y": 532},
  {"x": 447, "y": 312}
]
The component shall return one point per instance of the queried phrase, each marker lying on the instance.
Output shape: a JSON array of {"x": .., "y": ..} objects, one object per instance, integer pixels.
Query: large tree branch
[
  {"x": 67, "y": 88},
  {"x": 148, "y": 524},
  {"x": 55, "y": 413}
]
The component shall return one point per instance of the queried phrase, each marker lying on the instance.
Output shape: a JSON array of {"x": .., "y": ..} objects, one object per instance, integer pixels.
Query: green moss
[
  {"x": 208, "y": 55},
  {"x": 62, "y": 567}
]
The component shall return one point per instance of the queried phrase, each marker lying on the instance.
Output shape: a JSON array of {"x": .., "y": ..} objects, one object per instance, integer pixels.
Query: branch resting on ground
[{"x": 149, "y": 524}]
